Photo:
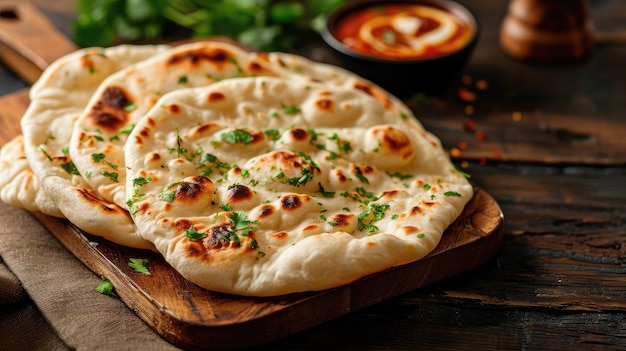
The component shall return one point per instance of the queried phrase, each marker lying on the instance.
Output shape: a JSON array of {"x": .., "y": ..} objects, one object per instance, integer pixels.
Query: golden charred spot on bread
[
  {"x": 153, "y": 157},
  {"x": 429, "y": 203},
  {"x": 326, "y": 105},
  {"x": 263, "y": 56},
  {"x": 311, "y": 228},
  {"x": 182, "y": 224},
  {"x": 266, "y": 211},
  {"x": 340, "y": 176},
  {"x": 371, "y": 244},
  {"x": 299, "y": 134},
  {"x": 103, "y": 206},
  {"x": 279, "y": 235},
  {"x": 110, "y": 112},
  {"x": 341, "y": 219},
  {"x": 87, "y": 63},
  {"x": 174, "y": 108},
  {"x": 202, "y": 129},
  {"x": 409, "y": 229},
  {"x": 256, "y": 69},
  {"x": 390, "y": 193},
  {"x": 145, "y": 132},
  {"x": 416, "y": 210},
  {"x": 382, "y": 98},
  {"x": 325, "y": 93},
  {"x": 290, "y": 202},
  {"x": 216, "y": 96},
  {"x": 216, "y": 56},
  {"x": 238, "y": 193},
  {"x": 219, "y": 236},
  {"x": 193, "y": 189}
]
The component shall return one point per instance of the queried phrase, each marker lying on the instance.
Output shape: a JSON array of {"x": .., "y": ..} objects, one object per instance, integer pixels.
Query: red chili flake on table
[
  {"x": 481, "y": 136},
  {"x": 482, "y": 84},
  {"x": 462, "y": 145},
  {"x": 466, "y": 95},
  {"x": 496, "y": 155},
  {"x": 483, "y": 161},
  {"x": 469, "y": 125}
]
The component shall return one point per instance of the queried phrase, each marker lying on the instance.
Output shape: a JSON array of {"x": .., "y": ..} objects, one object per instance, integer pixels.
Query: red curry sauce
[{"x": 421, "y": 36}]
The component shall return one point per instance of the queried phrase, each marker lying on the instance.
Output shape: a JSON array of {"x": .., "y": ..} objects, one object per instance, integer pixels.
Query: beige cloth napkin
[{"x": 64, "y": 311}]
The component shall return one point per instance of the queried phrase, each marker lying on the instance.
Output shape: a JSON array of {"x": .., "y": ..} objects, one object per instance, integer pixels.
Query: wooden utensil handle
[{"x": 28, "y": 41}]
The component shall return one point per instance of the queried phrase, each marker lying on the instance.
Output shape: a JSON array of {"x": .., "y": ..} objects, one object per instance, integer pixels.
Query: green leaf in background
[{"x": 263, "y": 24}]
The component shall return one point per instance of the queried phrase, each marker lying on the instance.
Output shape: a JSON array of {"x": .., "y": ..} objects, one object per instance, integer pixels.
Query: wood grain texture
[{"x": 195, "y": 318}]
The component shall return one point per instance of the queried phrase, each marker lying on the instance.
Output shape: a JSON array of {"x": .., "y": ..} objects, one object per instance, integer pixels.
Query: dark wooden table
[{"x": 549, "y": 144}]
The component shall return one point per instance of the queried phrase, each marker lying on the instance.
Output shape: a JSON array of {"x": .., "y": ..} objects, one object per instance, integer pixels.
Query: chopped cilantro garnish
[
  {"x": 194, "y": 235},
  {"x": 97, "y": 157},
  {"x": 399, "y": 175},
  {"x": 105, "y": 287},
  {"x": 130, "y": 106},
  {"x": 70, "y": 168},
  {"x": 127, "y": 129},
  {"x": 237, "y": 136},
  {"x": 183, "y": 79},
  {"x": 324, "y": 192},
  {"x": 464, "y": 174},
  {"x": 166, "y": 195},
  {"x": 289, "y": 110},
  {"x": 272, "y": 134},
  {"x": 451, "y": 193},
  {"x": 139, "y": 265},
  {"x": 179, "y": 150},
  {"x": 111, "y": 175},
  {"x": 361, "y": 177},
  {"x": 373, "y": 213}
]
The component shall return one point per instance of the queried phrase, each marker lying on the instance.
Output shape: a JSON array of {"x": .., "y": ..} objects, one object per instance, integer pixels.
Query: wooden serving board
[{"x": 194, "y": 318}]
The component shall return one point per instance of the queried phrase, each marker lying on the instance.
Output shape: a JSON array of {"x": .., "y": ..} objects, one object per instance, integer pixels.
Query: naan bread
[
  {"x": 97, "y": 145},
  {"x": 57, "y": 99},
  {"x": 18, "y": 185},
  {"x": 266, "y": 186}
]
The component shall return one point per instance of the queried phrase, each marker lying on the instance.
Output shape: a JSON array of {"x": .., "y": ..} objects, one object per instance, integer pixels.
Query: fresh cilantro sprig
[{"x": 264, "y": 24}]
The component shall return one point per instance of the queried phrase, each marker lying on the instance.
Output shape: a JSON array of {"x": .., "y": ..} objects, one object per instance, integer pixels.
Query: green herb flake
[
  {"x": 451, "y": 193},
  {"x": 361, "y": 177},
  {"x": 427, "y": 187},
  {"x": 130, "y": 106},
  {"x": 421, "y": 235},
  {"x": 329, "y": 194},
  {"x": 183, "y": 80},
  {"x": 97, "y": 157},
  {"x": 193, "y": 235},
  {"x": 105, "y": 287},
  {"x": 272, "y": 134},
  {"x": 290, "y": 110},
  {"x": 139, "y": 265},
  {"x": 70, "y": 168},
  {"x": 111, "y": 175},
  {"x": 373, "y": 213},
  {"x": 237, "y": 136},
  {"x": 127, "y": 129},
  {"x": 401, "y": 176},
  {"x": 389, "y": 37}
]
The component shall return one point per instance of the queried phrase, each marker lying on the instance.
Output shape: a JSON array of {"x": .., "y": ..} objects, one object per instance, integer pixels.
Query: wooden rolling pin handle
[{"x": 28, "y": 41}]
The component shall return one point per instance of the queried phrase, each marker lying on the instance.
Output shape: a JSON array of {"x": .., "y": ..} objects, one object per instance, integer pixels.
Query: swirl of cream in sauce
[{"x": 406, "y": 25}]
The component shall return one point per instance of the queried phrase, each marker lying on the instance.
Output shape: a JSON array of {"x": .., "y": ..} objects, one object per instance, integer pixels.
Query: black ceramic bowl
[{"x": 404, "y": 77}]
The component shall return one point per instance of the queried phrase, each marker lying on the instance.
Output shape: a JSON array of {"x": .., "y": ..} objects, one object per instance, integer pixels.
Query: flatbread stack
[{"x": 256, "y": 174}]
